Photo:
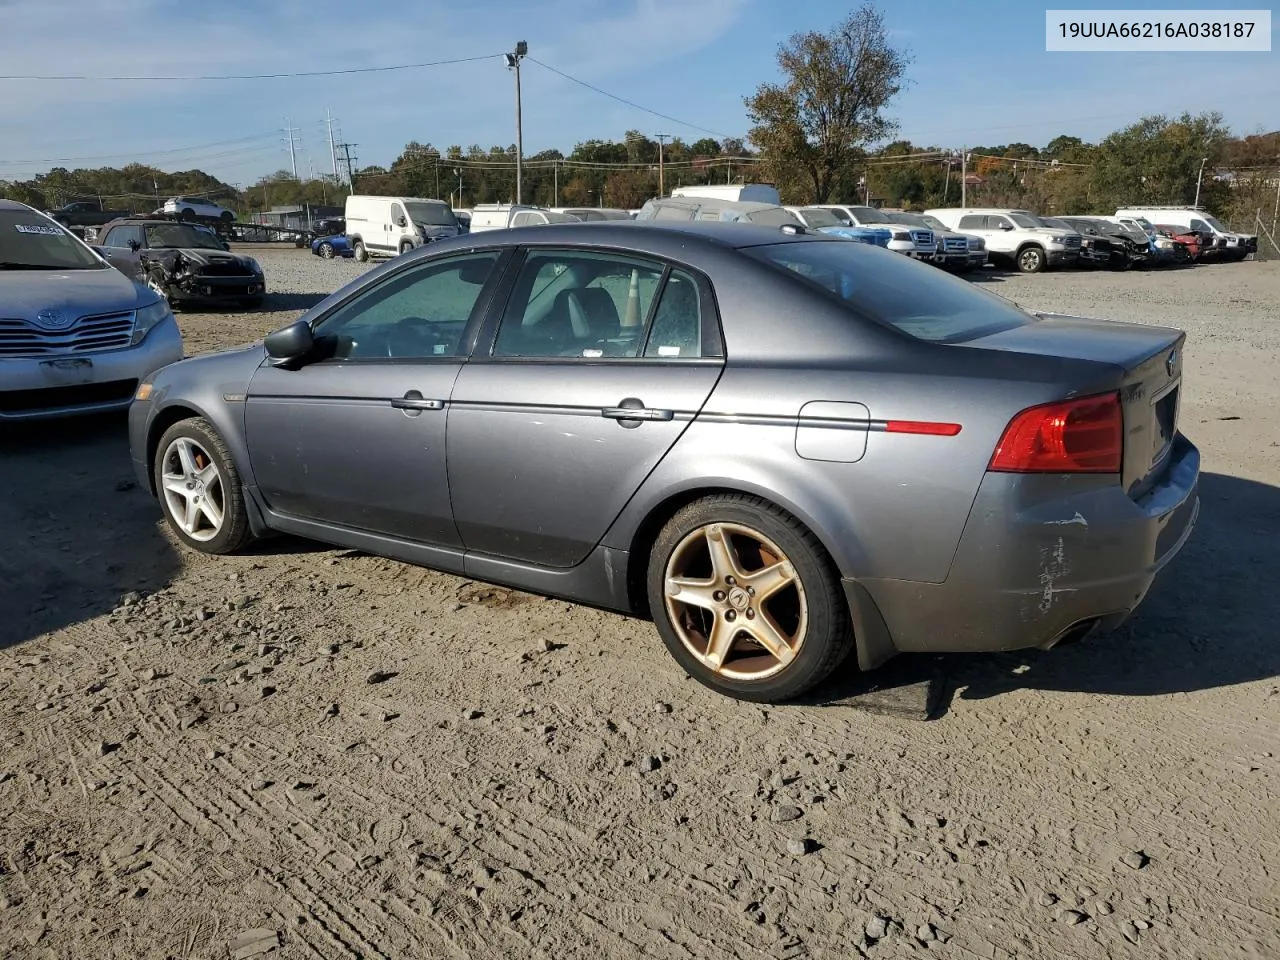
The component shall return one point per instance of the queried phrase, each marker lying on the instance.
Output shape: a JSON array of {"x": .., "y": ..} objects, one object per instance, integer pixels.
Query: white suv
[
  {"x": 917, "y": 242},
  {"x": 1016, "y": 236},
  {"x": 189, "y": 208}
]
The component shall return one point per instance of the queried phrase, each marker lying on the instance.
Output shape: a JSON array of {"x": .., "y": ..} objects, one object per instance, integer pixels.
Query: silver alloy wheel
[
  {"x": 326, "y": 251},
  {"x": 1030, "y": 260},
  {"x": 736, "y": 601},
  {"x": 193, "y": 490}
]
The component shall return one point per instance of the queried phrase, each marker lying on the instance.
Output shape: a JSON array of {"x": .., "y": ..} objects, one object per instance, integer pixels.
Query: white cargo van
[
  {"x": 750, "y": 192},
  {"x": 1227, "y": 242},
  {"x": 389, "y": 226}
]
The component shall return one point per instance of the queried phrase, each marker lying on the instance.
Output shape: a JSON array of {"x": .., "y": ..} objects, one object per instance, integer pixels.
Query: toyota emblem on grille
[
  {"x": 53, "y": 319},
  {"x": 1171, "y": 363}
]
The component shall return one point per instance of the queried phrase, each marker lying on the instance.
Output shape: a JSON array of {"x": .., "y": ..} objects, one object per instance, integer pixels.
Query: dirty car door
[
  {"x": 357, "y": 439},
  {"x": 598, "y": 365}
]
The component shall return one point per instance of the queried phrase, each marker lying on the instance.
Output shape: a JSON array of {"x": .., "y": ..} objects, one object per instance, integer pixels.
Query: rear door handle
[{"x": 633, "y": 409}]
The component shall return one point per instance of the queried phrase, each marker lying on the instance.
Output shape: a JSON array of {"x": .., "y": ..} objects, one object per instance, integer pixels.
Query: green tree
[
  {"x": 830, "y": 105},
  {"x": 1157, "y": 160}
]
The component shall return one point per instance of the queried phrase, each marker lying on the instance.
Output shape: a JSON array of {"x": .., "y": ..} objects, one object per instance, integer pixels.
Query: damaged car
[{"x": 183, "y": 262}]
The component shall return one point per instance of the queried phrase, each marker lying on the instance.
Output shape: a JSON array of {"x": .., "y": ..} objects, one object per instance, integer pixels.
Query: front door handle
[
  {"x": 634, "y": 409},
  {"x": 415, "y": 402}
]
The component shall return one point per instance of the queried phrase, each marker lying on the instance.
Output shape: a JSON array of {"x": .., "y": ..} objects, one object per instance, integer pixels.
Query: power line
[
  {"x": 258, "y": 76},
  {"x": 629, "y": 103}
]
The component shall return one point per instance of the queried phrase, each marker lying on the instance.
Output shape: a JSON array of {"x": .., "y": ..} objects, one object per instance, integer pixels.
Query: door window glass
[
  {"x": 417, "y": 313},
  {"x": 576, "y": 303},
  {"x": 677, "y": 323},
  {"x": 120, "y": 237},
  {"x": 972, "y": 222}
]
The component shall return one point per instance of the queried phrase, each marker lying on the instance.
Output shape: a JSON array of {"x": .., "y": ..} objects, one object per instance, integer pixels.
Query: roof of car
[
  {"x": 13, "y": 205},
  {"x": 627, "y": 232}
]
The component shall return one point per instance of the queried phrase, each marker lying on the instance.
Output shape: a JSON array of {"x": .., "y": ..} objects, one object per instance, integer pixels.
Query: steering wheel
[{"x": 407, "y": 337}]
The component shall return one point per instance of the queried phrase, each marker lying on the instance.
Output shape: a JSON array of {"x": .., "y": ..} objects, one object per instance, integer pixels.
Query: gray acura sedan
[{"x": 783, "y": 447}]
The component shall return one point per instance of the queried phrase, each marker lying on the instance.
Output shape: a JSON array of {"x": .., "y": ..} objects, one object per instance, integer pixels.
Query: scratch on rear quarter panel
[
  {"x": 1053, "y": 566},
  {"x": 1078, "y": 518}
]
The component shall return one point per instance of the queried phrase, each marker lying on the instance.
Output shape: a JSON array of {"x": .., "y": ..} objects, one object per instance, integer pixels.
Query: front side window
[
  {"x": 415, "y": 314},
  {"x": 1024, "y": 220},
  {"x": 122, "y": 237},
  {"x": 894, "y": 290},
  {"x": 29, "y": 241}
]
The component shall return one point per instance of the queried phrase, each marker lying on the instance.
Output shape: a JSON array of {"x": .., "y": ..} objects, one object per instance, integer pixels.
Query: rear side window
[
  {"x": 972, "y": 222},
  {"x": 891, "y": 289}
]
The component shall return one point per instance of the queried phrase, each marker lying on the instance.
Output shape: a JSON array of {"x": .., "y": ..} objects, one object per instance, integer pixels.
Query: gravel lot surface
[{"x": 304, "y": 752}]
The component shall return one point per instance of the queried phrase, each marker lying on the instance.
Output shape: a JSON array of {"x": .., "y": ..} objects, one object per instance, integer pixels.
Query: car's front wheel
[
  {"x": 326, "y": 250},
  {"x": 199, "y": 488},
  {"x": 1031, "y": 260},
  {"x": 361, "y": 253},
  {"x": 747, "y": 600}
]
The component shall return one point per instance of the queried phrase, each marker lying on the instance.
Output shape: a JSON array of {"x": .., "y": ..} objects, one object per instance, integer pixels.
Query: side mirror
[
  {"x": 225, "y": 245},
  {"x": 401, "y": 222},
  {"x": 291, "y": 342},
  {"x": 1006, "y": 226}
]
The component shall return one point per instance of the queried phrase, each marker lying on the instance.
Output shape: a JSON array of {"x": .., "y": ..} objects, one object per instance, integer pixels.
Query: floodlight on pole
[{"x": 513, "y": 64}]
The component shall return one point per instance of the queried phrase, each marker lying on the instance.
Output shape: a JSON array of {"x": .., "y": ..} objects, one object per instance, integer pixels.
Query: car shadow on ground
[
  {"x": 77, "y": 534},
  {"x": 292, "y": 301},
  {"x": 1209, "y": 621}
]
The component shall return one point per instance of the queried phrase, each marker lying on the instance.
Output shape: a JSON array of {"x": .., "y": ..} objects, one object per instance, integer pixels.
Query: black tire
[
  {"x": 827, "y": 638},
  {"x": 187, "y": 214},
  {"x": 227, "y": 216},
  {"x": 234, "y": 533},
  {"x": 1031, "y": 259},
  {"x": 362, "y": 254},
  {"x": 326, "y": 250}
]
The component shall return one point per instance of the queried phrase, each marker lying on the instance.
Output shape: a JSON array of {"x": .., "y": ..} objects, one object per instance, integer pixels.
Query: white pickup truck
[
  {"x": 917, "y": 242},
  {"x": 1015, "y": 236}
]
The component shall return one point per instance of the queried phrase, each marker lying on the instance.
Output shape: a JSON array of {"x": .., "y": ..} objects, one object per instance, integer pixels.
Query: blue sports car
[{"x": 331, "y": 240}]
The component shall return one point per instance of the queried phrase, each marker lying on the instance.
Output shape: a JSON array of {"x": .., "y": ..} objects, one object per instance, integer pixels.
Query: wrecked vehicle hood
[
  {"x": 69, "y": 293},
  {"x": 199, "y": 256}
]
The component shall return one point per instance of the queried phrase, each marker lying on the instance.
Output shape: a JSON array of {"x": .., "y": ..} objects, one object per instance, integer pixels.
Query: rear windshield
[
  {"x": 29, "y": 241},
  {"x": 921, "y": 301}
]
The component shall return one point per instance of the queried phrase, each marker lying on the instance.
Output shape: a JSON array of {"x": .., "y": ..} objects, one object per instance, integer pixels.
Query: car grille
[
  {"x": 922, "y": 238},
  {"x": 20, "y": 338},
  {"x": 55, "y": 398},
  {"x": 224, "y": 268},
  {"x": 955, "y": 245},
  {"x": 1072, "y": 243}
]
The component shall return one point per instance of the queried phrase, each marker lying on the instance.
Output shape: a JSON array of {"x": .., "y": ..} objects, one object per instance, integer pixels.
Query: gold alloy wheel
[{"x": 736, "y": 601}]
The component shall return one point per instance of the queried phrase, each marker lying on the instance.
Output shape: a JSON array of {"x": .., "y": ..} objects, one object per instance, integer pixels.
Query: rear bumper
[
  {"x": 35, "y": 390},
  {"x": 1034, "y": 566}
]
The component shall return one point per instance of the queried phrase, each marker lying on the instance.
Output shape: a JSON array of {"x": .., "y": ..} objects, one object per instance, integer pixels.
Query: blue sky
[{"x": 981, "y": 76}]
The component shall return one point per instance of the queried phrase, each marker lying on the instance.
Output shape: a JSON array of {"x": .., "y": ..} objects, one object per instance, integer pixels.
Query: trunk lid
[{"x": 1150, "y": 387}]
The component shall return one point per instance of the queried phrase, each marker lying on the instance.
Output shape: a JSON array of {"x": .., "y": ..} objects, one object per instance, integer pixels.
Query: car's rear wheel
[
  {"x": 747, "y": 600},
  {"x": 326, "y": 250},
  {"x": 226, "y": 216},
  {"x": 187, "y": 214},
  {"x": 361, "y": 253},
  {"x": 199, "y": 488}
]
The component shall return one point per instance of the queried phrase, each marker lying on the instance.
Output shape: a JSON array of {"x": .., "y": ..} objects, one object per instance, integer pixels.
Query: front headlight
[{"x": 147, "y": 317}]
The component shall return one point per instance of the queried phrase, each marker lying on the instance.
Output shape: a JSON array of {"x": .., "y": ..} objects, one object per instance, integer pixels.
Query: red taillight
[{"x": 1071, "y": 436}]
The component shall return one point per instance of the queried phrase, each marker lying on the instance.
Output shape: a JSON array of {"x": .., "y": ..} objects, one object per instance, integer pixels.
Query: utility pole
[
  {"x": 964, "y": 176},
  {"x": 351, "y": 170},
  {"x": 291, "y": 140},
  {"x": 662, "y": 192},
  {"x": 333, "y": 148},
  {"x": 555, "y": 183},
  {"x": 1199, "y": 177},
  {"x": 513, "y": 63}
]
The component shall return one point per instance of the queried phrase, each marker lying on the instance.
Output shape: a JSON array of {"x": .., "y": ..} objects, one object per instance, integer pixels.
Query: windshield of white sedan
[
  {"x": 29, "y": 241},
  {"x": 892, "y": 289},
  {"x": 178, "y": 236}
]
